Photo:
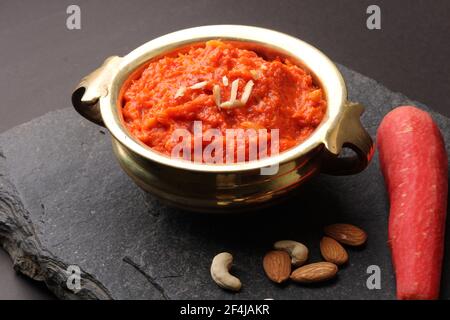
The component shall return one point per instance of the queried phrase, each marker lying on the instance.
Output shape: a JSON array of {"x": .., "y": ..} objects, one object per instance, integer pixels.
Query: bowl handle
[
  {"x": 86, "y": 96},
  {"x": 349, "y": 133}
]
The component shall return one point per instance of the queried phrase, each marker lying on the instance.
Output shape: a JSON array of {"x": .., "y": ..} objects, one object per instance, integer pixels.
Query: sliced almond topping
[
  {"x": 233, "y": 102},
  {"x": 225, "y": 81},
  {"x": 234, "y": 90},
  {"x": 199, "y": 85},
  {"x": 180, "y": 92},
  {"x": 231, "y": 105},
  {"x": 247, "y": 91}
]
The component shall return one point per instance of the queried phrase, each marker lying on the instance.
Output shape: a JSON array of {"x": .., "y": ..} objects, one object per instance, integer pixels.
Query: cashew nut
[
  {"x": 298, "y": 251},
  {"x": 220, "y": 268}
]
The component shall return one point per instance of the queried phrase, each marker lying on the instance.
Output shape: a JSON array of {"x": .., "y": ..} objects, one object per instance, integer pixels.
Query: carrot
[{"x": 415, "y": 167}]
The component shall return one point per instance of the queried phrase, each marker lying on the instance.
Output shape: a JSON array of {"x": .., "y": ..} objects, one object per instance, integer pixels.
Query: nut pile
[{"x": 286, "y": 254}]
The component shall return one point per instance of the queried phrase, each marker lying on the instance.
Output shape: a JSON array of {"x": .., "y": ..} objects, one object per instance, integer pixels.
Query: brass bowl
[{"x": 232, "y": 187}]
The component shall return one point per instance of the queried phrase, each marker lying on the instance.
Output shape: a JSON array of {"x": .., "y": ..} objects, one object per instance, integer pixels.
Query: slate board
[{"x": 65, "y": 201}]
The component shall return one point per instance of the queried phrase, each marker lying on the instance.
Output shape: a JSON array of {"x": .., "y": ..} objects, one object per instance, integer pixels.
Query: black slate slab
[{"x": 65, "y": 201}]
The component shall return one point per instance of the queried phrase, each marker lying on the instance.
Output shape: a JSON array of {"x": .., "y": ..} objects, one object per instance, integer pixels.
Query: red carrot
[{"x": 415, "y": 167}]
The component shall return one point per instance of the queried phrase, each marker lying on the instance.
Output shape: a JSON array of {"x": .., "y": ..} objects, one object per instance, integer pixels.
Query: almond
[
  {"x": 332, "y": 251},
  {"x": 314, "y": 272},
  {"x": 346, "y": 234},
  {"x": 277, "y": 265}
]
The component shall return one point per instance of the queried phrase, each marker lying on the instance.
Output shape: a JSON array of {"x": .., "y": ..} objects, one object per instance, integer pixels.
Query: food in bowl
[
  {"x": 220, "y": 86},
  {"x": 240, "y": 186}
]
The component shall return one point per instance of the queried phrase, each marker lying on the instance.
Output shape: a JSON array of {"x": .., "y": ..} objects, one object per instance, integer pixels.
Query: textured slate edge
[{"x": 19, "y": 239}]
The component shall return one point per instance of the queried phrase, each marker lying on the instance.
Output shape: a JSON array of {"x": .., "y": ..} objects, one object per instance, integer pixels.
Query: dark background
[{"x": 41, "y": 60}]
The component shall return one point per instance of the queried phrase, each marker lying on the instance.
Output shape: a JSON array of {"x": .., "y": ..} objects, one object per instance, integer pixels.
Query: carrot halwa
[{"x": 224, "y": 87}]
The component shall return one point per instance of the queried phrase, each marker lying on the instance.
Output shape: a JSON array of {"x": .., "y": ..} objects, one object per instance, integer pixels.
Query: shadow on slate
[{"x": 65, "y": 201}]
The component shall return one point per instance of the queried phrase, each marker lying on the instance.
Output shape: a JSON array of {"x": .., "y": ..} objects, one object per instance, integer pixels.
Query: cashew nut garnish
[
  {"x": 298, "y": 251},
  {"x": 220, "y": 268}
]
